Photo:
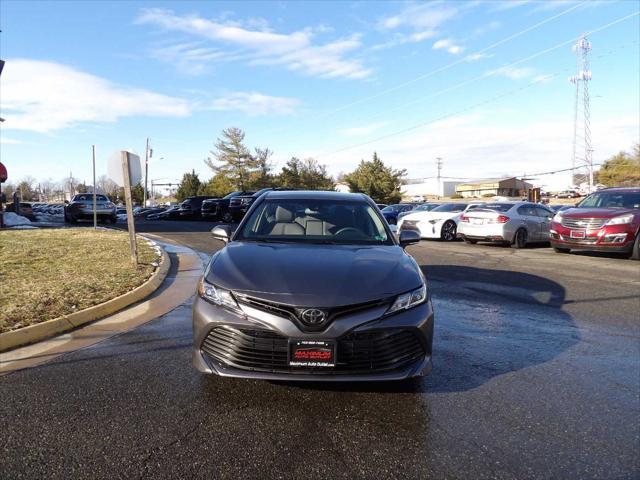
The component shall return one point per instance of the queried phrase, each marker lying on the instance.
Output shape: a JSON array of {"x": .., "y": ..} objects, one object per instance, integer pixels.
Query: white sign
[{"x": 114, "y": 168}]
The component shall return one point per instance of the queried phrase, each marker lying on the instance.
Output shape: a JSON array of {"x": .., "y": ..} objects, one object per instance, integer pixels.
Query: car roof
[
  {"x": 313, "y": 195},
  {"x": 620, "y": 189}
]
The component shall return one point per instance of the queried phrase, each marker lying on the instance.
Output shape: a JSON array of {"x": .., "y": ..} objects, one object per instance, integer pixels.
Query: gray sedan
[{"x": 510, "y": 223}]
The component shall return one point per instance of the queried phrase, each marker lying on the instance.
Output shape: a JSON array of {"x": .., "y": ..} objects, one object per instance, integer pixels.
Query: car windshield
[
  {"x": 612, "y": 200},
  {"x": 393, "y": 208},
  {"x": 315, "y": 221},
  {"x": 498, "y": 207},
  {"x": 231, "y": 195},
  {"x": 450, "y": 207},
  {"x": 87, "y": 197}
]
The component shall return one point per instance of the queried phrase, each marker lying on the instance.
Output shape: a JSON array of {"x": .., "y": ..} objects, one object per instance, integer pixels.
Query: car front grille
[
  {"x": 374, "y": 351},
  {"x": 588, "y": 223},
  {"x": 586, "y": 240},
  {"x": 291, "y": 312},
  {"x": 210, "y": 208}
]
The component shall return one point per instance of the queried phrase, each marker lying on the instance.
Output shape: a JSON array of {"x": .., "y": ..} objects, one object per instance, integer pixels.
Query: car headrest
[{"x": 283, "y": 215}]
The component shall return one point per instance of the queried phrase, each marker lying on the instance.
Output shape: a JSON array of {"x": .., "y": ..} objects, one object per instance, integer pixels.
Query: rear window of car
[
  {"x": 89, "y": 198},
  {"x": 498, "y": 207}
]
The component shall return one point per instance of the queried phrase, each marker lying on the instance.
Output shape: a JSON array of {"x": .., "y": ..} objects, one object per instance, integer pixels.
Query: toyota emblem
[{"x": 312, "y": 316}]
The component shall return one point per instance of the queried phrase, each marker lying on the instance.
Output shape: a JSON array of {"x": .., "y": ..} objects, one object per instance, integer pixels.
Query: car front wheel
[
  {"x": 635, "y": 253},
  {"x": 227, "y": 218},
  {"x": 448, "y": 232}
]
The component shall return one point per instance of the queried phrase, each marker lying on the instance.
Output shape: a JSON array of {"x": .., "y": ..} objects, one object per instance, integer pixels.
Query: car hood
[
  {"x": 314, "y": 275},
  {"x": 578, "y": 212}
]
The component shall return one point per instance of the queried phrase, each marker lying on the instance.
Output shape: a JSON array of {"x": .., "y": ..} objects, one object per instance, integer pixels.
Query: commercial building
[{"x": 504, "y": 187}]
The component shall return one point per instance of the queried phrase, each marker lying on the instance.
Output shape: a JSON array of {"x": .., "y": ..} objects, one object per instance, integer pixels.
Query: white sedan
[{"x": 441, "y": 222}]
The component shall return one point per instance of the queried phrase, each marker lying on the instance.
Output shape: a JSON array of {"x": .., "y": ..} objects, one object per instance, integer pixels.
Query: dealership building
[{"x": 504, "y": 187}]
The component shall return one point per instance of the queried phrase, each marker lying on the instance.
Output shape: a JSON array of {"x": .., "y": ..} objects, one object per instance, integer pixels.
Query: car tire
[
  {"x": 227, "y": 217},
  {"x": 69, "y": 219},
  {"x": 520, "y": 238},
  {"x": 561, "y": 250},
  {"x": 635, "y": 253},
  {"x": 448, "y": 231},
  {"x": 470, "y": 242}
]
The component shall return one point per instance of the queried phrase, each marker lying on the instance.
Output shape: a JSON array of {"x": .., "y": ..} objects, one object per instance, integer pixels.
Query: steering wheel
[{"x": 349, "y": 230}]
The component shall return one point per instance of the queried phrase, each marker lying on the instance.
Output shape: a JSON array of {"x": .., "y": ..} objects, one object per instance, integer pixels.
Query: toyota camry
[{"x": 313, "y": 286}]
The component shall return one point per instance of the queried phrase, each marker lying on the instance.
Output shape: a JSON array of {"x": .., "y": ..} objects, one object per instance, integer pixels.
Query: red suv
[{"x": 605, "y": 221}]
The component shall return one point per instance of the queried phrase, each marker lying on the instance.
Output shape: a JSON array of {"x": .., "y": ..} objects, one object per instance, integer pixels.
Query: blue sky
[{"x": 482, "y": 84}]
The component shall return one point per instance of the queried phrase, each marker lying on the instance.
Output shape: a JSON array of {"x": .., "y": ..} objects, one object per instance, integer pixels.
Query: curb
[{"x": 40, "y": 331}]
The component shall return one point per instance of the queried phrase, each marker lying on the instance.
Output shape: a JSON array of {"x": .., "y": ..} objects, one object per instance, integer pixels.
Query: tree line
[{"x": 235, "y": 167}]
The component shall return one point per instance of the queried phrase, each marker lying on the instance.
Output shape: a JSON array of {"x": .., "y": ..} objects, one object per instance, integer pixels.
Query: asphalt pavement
[{"x": 536, "y": 375}]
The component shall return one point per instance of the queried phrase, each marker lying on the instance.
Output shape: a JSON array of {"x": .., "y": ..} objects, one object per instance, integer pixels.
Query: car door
[
  {"x": 545, "y": 222},
  {"x": 531, "y": 221}
]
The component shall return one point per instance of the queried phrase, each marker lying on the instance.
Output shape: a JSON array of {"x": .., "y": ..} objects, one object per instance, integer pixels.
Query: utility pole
[
  {"x": 146, "y": 173},
  {"x": 581, "y": 81},
  {"x": 439, "y": 165},
  {"x": 95, "y": 214}
]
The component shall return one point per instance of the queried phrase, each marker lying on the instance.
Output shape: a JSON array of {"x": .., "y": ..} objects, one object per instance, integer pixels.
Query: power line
[
  {"x": 445, "y": 67},
  {"x": 497, "y": 97}
]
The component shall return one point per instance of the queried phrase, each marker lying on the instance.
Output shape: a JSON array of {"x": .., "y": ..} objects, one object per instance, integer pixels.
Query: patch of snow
[{"x": 12, "y": 219}]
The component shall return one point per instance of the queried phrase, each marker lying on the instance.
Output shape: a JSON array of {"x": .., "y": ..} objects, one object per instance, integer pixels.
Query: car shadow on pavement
[{"x": 487, "y": 323}]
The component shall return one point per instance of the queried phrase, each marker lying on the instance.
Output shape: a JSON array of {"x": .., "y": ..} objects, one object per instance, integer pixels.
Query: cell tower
[{"x": 582, "y": 127}]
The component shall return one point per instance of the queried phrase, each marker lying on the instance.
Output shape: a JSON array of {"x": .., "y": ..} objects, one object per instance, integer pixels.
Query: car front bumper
[
  {"x": 415, "y": 325},
  {"x": 613, "y": 238}
]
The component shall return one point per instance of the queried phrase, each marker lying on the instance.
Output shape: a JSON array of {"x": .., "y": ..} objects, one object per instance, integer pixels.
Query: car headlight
[
  {"x": 557, "y": 218},
  {"x": 621, "y": 220},
  {"x": 216, "y": 295},
  {"x": 435, "y": 220},
  {"x": 409, "y": 299}
]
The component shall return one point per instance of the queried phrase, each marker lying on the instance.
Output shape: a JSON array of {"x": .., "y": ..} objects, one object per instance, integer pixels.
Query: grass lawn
[{"x": 47, "y": 273}]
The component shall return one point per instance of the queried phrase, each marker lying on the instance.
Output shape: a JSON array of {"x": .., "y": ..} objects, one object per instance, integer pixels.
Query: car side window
[
  {"x": 543, "y": 212},
  {"x": 526, "y": 211}
]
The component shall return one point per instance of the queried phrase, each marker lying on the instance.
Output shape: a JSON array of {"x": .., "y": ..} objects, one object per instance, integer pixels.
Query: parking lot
[{"x": 536, "y": 361}]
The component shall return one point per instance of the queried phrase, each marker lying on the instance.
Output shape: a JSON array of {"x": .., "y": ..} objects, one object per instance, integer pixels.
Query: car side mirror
[
  {"x": 222, "y": 233},
  {"x": 409, "y": 237},
  {"x": 66, "y": 202}
]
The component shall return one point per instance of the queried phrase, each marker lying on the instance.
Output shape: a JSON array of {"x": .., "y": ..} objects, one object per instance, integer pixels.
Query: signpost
[
  {"x": 128, "y": 174},
  {"x": 3, "y": 178}
]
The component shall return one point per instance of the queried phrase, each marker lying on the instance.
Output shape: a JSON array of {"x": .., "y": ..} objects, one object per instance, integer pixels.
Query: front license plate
[
  {"x": 578, "y": 234},
  {"x": 312, "y": 353}
]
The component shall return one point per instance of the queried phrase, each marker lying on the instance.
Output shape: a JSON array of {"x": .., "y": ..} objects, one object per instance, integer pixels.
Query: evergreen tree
[
  {"x": 189, "y": 186},
  {"x": 232, "y": 158},
  {"x": 621, "y": 170},
  {"x": 218, "y": 186},
  {"x": 305, "y": 174},
  {"x": 375, "y": 179}
]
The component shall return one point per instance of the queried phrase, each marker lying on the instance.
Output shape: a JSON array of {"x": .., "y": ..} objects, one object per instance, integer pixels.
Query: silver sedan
[{"x": 510, "y": 223}]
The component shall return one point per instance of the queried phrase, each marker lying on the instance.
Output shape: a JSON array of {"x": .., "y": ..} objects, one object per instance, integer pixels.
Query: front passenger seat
[{"x": 284, "y": 223}]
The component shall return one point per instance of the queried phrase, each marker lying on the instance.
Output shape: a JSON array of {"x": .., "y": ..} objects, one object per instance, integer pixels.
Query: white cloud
[
  {"x": 474, "y": 57},
  {"x": 46, "y": 96},
  {"x": 514, "y": 73},
  {"x": 449, "y": 46},
  {"x": 4, "y": 140},
  {"x": 254, "y": 103},
  {"x": 362, "y": 130},
  {"x": 425, "y": 16},
  {"x": 295, "y": 51},
  {"x": 402, "y": 39}
]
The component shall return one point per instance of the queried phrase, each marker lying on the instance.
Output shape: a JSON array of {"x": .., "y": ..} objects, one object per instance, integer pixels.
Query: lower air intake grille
[{"x": 374, "y": 351}]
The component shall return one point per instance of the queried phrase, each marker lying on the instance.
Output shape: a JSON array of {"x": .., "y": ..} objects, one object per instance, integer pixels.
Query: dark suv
[
  {"x": 239, "y": 205},
  {"x": 218, "y": 208},
  {"x": 605, "y": 221},
  {"x": 191, "y": 206}
]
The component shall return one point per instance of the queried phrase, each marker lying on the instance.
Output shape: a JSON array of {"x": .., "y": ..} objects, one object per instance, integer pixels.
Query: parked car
[
  {"x": 240, "y": 204},
  {"x": 171, "y": 213},
  {"x": 425, "y": 207},
  {"x": 391, "y": 212},
  {"x": 218, "y": 208},
  {"x": 381, "y": 205},
  {"x": 191, "y": 206},
  {"x": 567, "y": 194},
  {"x": 313, "y": 286},
  {"x": 509, "y": 223},
  {"x": 25, "y": 209},
  {"x": 606, "y": 221},
  {"x": 441, "y": 222},
  {"x": 149, "y": 211},
  {"x": 81, "y": 207},
  {"x": 418, "y": 199}
]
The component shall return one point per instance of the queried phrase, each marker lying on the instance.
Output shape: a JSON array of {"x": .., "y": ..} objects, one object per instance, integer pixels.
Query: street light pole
[
  {"x": 95, "y": 213},
  {"x": 146, "y": 173}
]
